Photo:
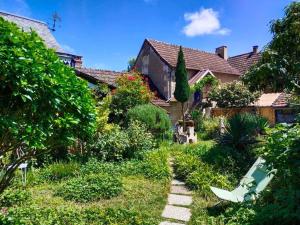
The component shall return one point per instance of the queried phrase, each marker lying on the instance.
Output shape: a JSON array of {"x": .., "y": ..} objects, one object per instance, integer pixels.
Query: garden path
[{"x": 176, "y": 212}]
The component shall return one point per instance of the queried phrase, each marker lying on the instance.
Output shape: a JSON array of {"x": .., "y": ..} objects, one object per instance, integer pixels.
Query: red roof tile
[
  {"x": 97, "y": 75},
  {"x": 195, "y": 59},
  {"x": 244, "y": 61}
]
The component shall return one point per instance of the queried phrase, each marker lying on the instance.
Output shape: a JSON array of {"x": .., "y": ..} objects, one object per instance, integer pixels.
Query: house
[
  {"x": 93, "y": 76},
  {"x": 157, "y": 60},
  {"x": 272, "y": 106}
]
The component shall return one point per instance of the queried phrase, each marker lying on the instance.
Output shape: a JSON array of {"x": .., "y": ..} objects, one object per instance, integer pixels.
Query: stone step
[
  {"x": 177, "y": 213},
  {"x": 175, "y": 189},
  {"x": 179, "y": 200},
  {"x": 170, "y": 223},
  {"x": 177, "y": 182}
]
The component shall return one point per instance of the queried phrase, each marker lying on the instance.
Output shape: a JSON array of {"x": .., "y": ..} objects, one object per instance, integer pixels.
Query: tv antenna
[{"x": 55, "y": 18}]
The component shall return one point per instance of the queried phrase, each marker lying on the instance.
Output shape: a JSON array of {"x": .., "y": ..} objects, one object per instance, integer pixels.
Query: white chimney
[{"x": 222, "y": 52}]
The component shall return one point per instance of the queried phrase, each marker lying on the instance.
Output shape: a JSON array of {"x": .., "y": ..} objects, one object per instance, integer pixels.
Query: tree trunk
[{"x": 183, "y": 119}]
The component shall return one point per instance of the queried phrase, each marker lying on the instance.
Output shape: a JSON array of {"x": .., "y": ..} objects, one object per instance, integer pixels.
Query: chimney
[
  {"x": 222, "y": 52},
  {"x": 255, "y": 49},
  {"x": 78, "y": 62}
]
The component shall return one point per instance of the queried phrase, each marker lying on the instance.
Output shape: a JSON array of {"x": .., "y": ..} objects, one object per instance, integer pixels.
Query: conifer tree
[{"x": 182, "y": 88}]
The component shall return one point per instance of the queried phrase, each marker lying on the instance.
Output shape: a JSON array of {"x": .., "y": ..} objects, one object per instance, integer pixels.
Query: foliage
[
  {"x": 110, "y": 145},
  {"x": 279, "y": 67},
  {"x": 243, "y": 129},
  {"x": 140, "y": 141},
  {"x": 14, "y": 196},
  {"x": 131, "y": 63},
  {"x": 155, "y": 165},
  {"x": 197, "y": 117},
  {"x": 90, "y": 188},
  {"x": 43, "y": 105},
  {"x": 131, "y": 91},
  {"x": 58, "y": 171},
  {"x": 35, "y": 215},
  {"x": 156, "y": 119},
  {"x": 208, "y": 80},
  {"x": 182, "y": 88},
  {"x": 233, "y": 94},
  {"x": 197, "y": 174},
  {"x": 103, "y": 115}
]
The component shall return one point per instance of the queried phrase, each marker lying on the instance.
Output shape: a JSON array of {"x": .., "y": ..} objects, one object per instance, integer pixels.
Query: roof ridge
[
  {"x": 23, "y": 17},
  {"x": 194, "y": 49},
  {"x": 103, "y": 70},
  {"x": 243, "y": 54}
]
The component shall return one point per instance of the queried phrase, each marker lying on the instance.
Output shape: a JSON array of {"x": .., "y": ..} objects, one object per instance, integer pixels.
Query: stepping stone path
[{"x": 178, "y": 201}]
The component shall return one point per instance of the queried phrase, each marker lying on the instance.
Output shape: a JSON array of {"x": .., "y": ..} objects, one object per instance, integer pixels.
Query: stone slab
[
  {"x": 175, "y": 189},
  {"x": 177, "y": 182},
  {"x": 170, "y": 223},
  {"x": 177, "y": 213},
  {"x": 179, "y": 200}
]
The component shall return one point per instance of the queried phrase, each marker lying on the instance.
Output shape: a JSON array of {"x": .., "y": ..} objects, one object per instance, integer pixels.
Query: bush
[
  {"x": 233, "y": 94},
  {"x": 110, "y": 145},
  {"x": 90, "y": 188},
  {"x": 14, "y": 196},
  {"x": 131, "y": 91},
  {"x": 58, "y": 171},
  {"x": 155, "y": 165},
  {"x": 210, "y": 128},
  {"x": 198, "y": 119},
  {"x": 185, "y": 164},
  {"x": 155, "y": 119},
  {"x": 140, "y": 141},
  {"x": 243, "y": 129}
]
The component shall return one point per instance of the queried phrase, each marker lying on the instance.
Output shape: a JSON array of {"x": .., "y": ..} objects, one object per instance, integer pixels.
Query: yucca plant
[{"x": 243, "y": 129}]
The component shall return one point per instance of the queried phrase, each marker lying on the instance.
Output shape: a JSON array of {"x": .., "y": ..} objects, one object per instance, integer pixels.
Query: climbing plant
[{"x": 208, "y": 80}]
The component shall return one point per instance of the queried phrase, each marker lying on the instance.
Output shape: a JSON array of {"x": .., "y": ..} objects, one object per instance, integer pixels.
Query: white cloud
[{"x": 205, "y": 21}]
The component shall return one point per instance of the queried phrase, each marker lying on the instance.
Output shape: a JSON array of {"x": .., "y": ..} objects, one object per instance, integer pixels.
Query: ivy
[{"x": 208, "y": 80}]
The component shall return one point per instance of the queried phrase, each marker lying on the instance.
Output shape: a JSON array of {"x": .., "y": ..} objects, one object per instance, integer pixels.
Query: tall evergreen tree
[{"x": 182, "y": 88}]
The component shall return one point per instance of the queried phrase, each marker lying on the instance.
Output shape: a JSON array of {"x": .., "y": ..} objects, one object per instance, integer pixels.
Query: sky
[{"x": 107, "y": 33}]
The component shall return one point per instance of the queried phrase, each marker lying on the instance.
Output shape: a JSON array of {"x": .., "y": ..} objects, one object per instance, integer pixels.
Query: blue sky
[{"x": 109, "y": 32}]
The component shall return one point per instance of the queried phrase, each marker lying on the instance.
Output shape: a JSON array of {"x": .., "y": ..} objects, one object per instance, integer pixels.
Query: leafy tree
[
  {"x": 182, "y": 88},
  {"x": 155, "y": 119},
  {"x": 43, "y": 105},
  {"x": 131, "y": 91},
  {"x": 279, "y": 67},
  {"x": 233, "y": 94},
  {"x": 131, "y": 63}
]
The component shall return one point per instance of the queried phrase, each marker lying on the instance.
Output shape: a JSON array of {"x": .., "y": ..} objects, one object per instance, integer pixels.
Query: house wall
[
  {"x": 225, "y": 77},
  {"x": 149, "y": 63}
]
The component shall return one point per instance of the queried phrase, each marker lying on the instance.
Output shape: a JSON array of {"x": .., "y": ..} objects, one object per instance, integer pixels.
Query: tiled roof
[
  {"x": 194, "y": 58},
  {"x": 39, "y": 27},
  {"x": 96, "y": 75},
  {"x": 272, "y": 99},
  {"x": 244, "y": 61}
]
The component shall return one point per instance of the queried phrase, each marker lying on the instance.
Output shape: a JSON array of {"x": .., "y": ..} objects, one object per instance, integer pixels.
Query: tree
[
  {"x": 43, "y": 105},
  {"x": 131, "y": 64},
  {"x": 131, "y": 91},
  {"x": 233, "y": 94},
  {"x": 279, "y": 67},
  {"x": 182, "y": 88}
]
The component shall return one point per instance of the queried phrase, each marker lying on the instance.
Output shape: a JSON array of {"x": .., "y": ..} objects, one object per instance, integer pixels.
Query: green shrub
[
  {"x": 243, "y": 129},
  {"x": 110, "y": 145},
  {"x": 58, "y": 171},
  {"x": 90, "y": 188},
  {"x": 184, "y": 164},
  {"x": 14, "y": 196},
  {"x": 204, "y": 177},
  {"x": 140, "y": 141},
  {"x": 155, "y": 165},
  {"x": 210, "y": 128},
  {"x": 33, "y": 215},
  {"x": 155, "y": 119},
  {"x": 198, "y": 119}
]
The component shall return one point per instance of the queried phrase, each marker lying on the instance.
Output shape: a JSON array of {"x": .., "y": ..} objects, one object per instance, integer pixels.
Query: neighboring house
[
  {"x": 158, "y": 60},
  {"x": 93, "y": 76},
  {"x": 42, "y": 29},
  {"x": 273, "y": 106}
]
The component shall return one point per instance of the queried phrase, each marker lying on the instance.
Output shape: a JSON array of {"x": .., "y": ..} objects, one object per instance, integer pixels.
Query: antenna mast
[{"x": 55, "y": 18}]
